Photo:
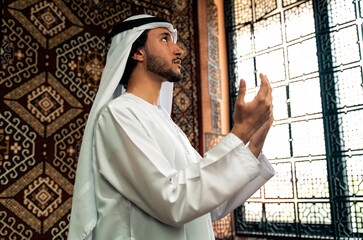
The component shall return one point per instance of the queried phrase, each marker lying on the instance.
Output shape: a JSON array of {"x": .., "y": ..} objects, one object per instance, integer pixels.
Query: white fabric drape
[{"x": 84, "y": 212}]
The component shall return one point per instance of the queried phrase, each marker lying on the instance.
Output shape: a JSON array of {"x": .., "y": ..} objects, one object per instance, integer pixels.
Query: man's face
[{"x": 163, "y": 55}]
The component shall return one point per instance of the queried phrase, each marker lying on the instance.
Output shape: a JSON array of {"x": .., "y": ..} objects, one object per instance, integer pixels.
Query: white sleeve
[
  {"x": 247, "y": 191},
  {"x": 131, "y": 162}
]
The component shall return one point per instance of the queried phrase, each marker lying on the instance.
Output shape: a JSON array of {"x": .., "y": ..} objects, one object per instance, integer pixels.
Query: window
[{"x": 311, "y": 52}]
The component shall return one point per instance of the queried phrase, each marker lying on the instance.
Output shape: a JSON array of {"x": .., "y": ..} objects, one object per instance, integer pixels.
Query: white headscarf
[{"x": 84, "y": 210}]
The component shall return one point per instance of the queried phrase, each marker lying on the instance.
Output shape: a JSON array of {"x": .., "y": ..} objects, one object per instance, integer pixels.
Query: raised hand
[
  {"x": 258, "y": 138},
  {"x": 249, "y": 117}
]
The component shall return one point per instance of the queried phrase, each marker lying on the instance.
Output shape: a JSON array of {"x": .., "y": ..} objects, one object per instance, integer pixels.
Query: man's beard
[{"x": 155, "y": 64}]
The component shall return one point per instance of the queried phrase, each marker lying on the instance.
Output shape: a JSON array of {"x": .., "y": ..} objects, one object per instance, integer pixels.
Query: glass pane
[
  {"x": 312, "y": 179},
  {"x": 355, "y": 176},
  {"x": 340, "y": 11},
  {"x": 314, "y": 213},
  {"x": 299, "y": 21},
  {"x": 277, "y": 143},
  {"x": 288, "y": 2},
  {"x": 250, "y": 95},
  {"x": 352, "y": 130},
  {"x": 243, "y": 11},
  {"x": 264, "y": 6},
  {"x": 253, "y": 212},
  {"x": 244, "y": 41},
  {"x": 272, "y": 64},
  {"x": 270, "y": 29},
  {"x": 246, "y": 70},
  {"x": 256, "y": 195},
  {"x": 308, "y": 138},
  {"x": 357, "y": 218},
  {"x": 280, "y": 220},
  {"x": 280, "y": 186},
  {"x": 302, "y": 58},
  {"x": 280, "y": 212},
  {"x": 279, "y": 103},
  {"x": 345, "y": 48},
  {"x": 305, "y": 97},
  {"x": 350, "y": 87}
]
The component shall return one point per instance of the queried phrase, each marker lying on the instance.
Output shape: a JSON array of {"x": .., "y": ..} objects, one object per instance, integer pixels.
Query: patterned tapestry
[{"x": 52, "y": 57}]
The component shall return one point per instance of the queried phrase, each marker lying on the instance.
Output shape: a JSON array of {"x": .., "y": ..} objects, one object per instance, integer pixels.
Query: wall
[{"x": 52, "y": 57}]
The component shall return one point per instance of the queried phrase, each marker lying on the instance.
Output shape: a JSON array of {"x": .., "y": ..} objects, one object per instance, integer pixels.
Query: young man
[{"x": 138, "y": 176}]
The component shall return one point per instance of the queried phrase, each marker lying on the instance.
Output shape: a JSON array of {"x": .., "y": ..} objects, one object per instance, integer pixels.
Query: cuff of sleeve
[
  {"x": 231, "y": 140},
  {"x": 266, "y": 169}
]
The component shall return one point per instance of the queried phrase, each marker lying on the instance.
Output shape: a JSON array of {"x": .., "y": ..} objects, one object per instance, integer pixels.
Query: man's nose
[{"x": 178, "y": 51}]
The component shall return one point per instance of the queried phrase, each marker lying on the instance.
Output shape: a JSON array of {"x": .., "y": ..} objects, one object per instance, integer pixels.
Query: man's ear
[{"x": 139, "y": 55}]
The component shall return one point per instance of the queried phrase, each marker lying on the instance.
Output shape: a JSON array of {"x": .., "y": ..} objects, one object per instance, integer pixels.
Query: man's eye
[{"x": 165, "y": 39}]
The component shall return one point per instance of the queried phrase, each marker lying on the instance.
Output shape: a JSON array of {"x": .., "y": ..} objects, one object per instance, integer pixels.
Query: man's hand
[
  {"x": 258, "y": 139},
  {"x": 249, "y": 117}
]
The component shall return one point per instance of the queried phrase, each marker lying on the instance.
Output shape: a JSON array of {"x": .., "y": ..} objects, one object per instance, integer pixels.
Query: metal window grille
[{"x": 311, "y": 52}]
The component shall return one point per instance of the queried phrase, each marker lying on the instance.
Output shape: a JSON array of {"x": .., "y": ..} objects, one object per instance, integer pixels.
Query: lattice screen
[{"x": 311, "y": 52}]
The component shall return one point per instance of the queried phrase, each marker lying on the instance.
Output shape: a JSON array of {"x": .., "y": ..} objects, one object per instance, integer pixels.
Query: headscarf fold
[{"x": 84, "y": 209}]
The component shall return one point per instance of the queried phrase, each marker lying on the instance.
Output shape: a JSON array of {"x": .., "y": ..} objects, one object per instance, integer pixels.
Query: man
[{"x": 138, "y": 177}]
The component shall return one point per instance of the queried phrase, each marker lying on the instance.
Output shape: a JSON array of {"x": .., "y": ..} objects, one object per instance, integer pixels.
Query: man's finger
[
  {"x": 268, "y": 85},
  {"x": 265, "y": 86},
  {"x": 242, "y": 91}
]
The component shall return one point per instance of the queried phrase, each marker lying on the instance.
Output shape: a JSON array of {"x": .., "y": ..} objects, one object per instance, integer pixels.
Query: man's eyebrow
[{"x": 165, "y": 34}]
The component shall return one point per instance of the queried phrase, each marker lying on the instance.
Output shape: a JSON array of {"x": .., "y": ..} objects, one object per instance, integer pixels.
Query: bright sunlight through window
[{"x": 311, "y": 53}]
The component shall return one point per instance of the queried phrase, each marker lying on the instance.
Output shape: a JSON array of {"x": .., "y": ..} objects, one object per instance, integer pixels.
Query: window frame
[{"x": 339, "y": 197}]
